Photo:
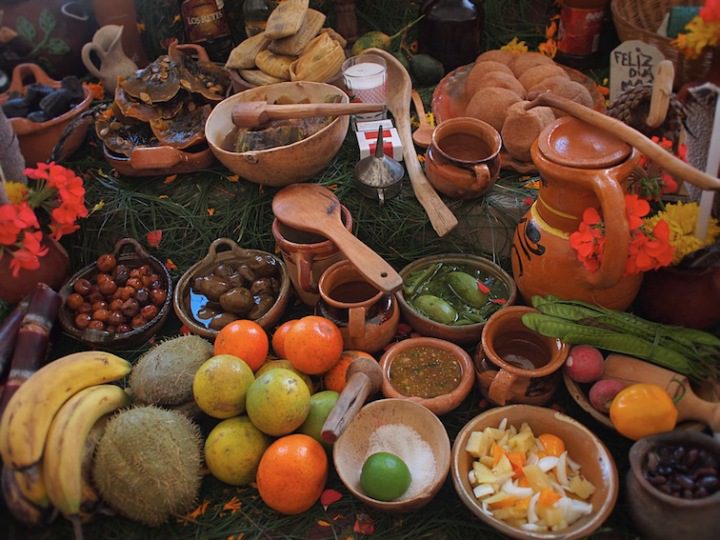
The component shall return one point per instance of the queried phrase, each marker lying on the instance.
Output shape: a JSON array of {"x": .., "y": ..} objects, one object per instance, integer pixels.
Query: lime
[{"x": 384, "y": 476}]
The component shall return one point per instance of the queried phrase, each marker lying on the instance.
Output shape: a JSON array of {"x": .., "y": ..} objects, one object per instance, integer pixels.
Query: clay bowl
[
  {"x": 181, "y": 299},
  {"x": 130, "y": 253},
  {"x": 651, "y": 509},
  {"x": 597, "y": 465},
  {"x": 352, "y": 448},
  {"x": 285, "y": 164},
  {"x": 440, "y": 404},
  {"x": 37, "y": 139},
  {"x": 160, "y": 160},
  {"x": 469, "y": 333}
]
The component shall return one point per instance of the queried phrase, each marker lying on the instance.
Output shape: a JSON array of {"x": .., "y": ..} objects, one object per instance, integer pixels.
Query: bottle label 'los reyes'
[{"x": 204, "y": 20}]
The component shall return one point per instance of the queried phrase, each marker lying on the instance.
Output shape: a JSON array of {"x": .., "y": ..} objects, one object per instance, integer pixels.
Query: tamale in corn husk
[
  {"x": 334, "y": 35},
  {"x": 275, "y": 65},
  {"x": 294, "y": 45},
  {"x": 286, "y": 19},
  {"x": 320, "y": 61},
  {"x": 243, "y": 56},
  {"x": 257, "y": 77}
]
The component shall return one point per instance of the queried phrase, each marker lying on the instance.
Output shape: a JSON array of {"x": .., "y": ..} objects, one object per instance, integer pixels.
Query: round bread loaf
[
  {"x": 524, "y": 61},
  {"x": 522, "y": 127},
  {"x": 497, "y": 79},
  {"x": 491, "y": 104},
  {"x": 496, "y": 55},
  {"x": 538, "y": 74},
  {"x": 565, "y": 88}
]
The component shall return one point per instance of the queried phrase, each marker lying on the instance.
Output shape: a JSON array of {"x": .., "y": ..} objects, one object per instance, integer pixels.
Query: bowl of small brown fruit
[
  {"x": 121, "y": 299},
  {"x": 231, "y": 283}
]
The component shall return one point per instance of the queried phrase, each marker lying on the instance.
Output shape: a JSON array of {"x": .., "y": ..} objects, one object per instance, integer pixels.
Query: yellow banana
[
  {"x": 65, "y": 445},
  {"x": 20, "y": 507},
  {"x": 27, "y": 418}
]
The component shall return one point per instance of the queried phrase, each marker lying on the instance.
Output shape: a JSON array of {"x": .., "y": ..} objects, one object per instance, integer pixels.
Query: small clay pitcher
[
  {"x": 515, "y": 364},
  {"x": 114, "y": 63},
  {"x": 366, "y": 316},
  {"x": 463, "y": 160},
  {"x": 307, "y": 256}
]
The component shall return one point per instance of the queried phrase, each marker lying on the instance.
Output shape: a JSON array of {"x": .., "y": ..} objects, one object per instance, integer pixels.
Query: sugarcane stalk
[{"x": 8, "y": 335}]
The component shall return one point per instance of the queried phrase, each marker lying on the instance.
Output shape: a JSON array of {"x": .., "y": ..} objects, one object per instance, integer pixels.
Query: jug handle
[
  {"x": 87, "y": 60},
  {"x": 482, "y": 176},
  {"x": 617, "y": 231}
]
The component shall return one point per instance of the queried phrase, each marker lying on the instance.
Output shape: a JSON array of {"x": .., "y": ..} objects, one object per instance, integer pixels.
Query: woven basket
[{"x": 640, "y": 19}]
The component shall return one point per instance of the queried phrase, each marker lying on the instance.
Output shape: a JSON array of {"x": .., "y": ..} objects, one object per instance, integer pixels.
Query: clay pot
[
  {"x": 581, "y": 166},
  {"x": 53, "y": 270},
  {"x": 663, "y": 517}
]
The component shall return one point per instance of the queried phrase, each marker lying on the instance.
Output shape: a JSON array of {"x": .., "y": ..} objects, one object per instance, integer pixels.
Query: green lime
[{"x": 384, "y": 476}]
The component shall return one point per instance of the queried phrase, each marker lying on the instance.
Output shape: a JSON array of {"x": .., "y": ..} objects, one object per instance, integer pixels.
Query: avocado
[
  {"x": 400, "y": 56},
  {"x": 426, "y": 70}
]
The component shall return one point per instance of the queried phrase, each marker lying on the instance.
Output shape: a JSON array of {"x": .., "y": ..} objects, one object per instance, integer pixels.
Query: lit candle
[{"x": 365, "y": 81}]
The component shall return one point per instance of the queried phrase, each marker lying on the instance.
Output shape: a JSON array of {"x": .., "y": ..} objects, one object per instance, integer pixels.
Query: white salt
[{"x": 408, "y": 445}]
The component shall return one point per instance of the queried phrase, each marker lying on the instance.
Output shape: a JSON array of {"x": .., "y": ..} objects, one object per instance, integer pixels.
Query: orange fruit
[
  {"x": 245, "y": 339},
  {"x": 335, "y": 378},
  {"x": 278, "y": 339},
  {"x": 292, "y": 473},
  {"x": 313, "y": 344}
]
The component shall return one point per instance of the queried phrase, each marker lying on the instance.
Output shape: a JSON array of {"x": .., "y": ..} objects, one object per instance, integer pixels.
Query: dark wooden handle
[{"x": 349, "y": 403}]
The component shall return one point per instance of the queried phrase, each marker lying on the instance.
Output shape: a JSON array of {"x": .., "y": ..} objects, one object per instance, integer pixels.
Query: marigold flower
[
  {"x": 15, "y": 191},
  {"x": 515, "y": 46}
]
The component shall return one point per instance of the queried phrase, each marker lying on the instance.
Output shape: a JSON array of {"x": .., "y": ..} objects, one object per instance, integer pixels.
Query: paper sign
[{"x": 632, "y": 63}]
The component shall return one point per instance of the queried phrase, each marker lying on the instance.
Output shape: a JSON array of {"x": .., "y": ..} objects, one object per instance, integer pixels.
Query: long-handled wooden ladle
[
  {"x": 250, "y": 114},
  {"x": 422, "y": 136},
  {"x": 314, "y": 208}
]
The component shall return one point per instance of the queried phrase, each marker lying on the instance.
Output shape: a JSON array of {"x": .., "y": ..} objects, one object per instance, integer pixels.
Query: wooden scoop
[
  {"x": 422, "y": 136},
  {"x": 399, "y": 88},
  {"x": 314, "y": 208},
  {"x": 364, "y": 378},
  {"x": 252, "y": 114},
  {"x": 689, "y": 406}
]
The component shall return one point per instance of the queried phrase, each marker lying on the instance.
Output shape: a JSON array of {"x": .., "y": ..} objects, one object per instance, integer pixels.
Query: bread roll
[
  {"x": 565, "y": 88},
  {"x": 522, "y": 127},
  {"x": 524, "y": 61},
  {"x": 538, "y": 74},
  {"x": 496, "y": 55},
  {"x": 491, "y": 104},
  {"x": 479, "y": 71},
  {"x": 497, "y": 79}
]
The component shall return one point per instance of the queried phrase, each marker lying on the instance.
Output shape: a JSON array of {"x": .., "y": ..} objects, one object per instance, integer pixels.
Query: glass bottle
[
  {"x": 578, "y": 39},
  {"x": 255, "y": 15},
  {"x": 206, "y": 24},
  {"x": 452, "y": 31}
]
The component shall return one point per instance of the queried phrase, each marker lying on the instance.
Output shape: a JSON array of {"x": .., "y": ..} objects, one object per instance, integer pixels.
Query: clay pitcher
[
  {"x": 114, "y": 63},
  {"x": 581, "y": 166}
]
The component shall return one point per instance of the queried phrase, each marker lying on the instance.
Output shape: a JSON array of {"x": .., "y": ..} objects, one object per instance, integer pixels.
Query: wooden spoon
[
  {"x": 314, "y": 208},
  {"x": 250, "y": 114},
  {"x": 364, "y": 378},
  {"x": 422, "y": 136},
  {"x": 399, "y": 89}
]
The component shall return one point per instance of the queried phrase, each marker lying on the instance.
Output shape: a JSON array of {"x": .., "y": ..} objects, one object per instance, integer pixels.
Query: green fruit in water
[
  {"x": 426, "y": 69},
  {"x": 385, "y": 476},
  {"x": 233, "y": 450},
  {"x": 278, "y": 402},
  {"x": 374, "y": 39},
  {"x": 274, "y": 364},
  {"x": 147, "y": 464},
  {"x": 320, "y": 406}
]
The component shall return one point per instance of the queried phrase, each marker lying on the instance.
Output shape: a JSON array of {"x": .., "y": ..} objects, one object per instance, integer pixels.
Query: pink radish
[
  {"x": 584, "y": 364},
  {"x": 602, "y": 393}
]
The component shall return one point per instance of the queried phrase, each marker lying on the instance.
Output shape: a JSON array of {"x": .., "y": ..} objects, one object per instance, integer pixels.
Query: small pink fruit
[
  {"x": 585, "y": 364},
  {"x": 603, "y": 392}
]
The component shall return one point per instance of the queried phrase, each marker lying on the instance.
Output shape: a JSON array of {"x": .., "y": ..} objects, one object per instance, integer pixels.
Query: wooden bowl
[
  {"x": 597, "y": 466},
  {"x": 440, "y": 404},
  {"x": 181, "y": 299},
  {"x": 469, "y": 333},
  {"x": 37, "y": 139},
  {"x": 351, "y": 450},
  {"x": 285, "y": 164},
  {"x": 134, "y": 257}
]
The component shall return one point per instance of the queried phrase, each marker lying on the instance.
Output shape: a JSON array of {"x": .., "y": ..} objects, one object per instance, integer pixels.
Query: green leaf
[
  {"x": 25, "y": 28},
  {"x": 46, "y": 21},
  {"x": 57, "y": 46}
]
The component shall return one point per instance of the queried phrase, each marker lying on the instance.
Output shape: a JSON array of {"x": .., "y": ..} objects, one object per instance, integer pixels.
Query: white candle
[
  {"x": 366, "y": 83},
  {"x": 711, "y": 167}
]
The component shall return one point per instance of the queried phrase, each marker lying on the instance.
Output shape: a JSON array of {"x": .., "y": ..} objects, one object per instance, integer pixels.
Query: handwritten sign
[{"x": 632, "y": 63}]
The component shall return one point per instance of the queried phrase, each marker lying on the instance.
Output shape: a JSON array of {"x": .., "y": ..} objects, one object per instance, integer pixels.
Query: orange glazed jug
[{"x": 581, "y": 166}]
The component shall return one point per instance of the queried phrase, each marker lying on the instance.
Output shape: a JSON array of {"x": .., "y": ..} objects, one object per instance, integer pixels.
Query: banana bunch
[{"x": 45, "y": 433}]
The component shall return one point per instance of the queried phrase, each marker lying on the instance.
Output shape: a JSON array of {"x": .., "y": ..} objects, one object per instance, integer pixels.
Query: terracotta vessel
[
  {"x": 367, "y": 317},
  {"x": 660, "y": 516},
  {"x": 463, "y": 160},
  {"x": 581, "y": 166},
  {"x": 53, "y": 270},
  {"x": 122, "y": 12},
  {"x": 515, "y": 364},
  {"x": 307, "y": 256},
  {"x": 108, "y": 46}
]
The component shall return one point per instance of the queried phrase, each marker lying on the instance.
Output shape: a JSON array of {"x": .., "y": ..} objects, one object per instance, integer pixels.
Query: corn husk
[
  {"x": 243, "y": 56},
  {"x": 257, "y": 77},
  {"x": 286, "y": 19},
  {"x": 334, "y": 35},
  {"x": 320, "y": 61},
  {"x": 294, "y": 45},
  {"x": 276, "y": 65}
]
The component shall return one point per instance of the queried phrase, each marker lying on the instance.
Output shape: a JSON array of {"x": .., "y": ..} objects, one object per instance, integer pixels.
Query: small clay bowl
[
  {"x": 661, "y": 516},
  {"x": 134, "y": 257},
  {"x": 440, "y": 404},
  {"x": 596, "y": 462},
  {"x": 181, "y": 299},
  {"x": 351, "y": 449},
  {"x": 469, "y": 333}
]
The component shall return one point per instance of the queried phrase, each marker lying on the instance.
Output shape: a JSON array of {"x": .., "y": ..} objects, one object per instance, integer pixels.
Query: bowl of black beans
[{"x": 673, "y": 486}]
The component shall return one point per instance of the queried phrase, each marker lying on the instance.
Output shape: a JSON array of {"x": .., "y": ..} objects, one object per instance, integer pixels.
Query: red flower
[
  {"x": 588, "y": 240},
  {"x": 635, "y": 209},
  {"x": 669, "y": 185},
  {"x": 650, "y": 252},
  {"x": 711, "y": 11},
  {"x": 153, "y": 238},
  {"x": 28, "y": 256}
]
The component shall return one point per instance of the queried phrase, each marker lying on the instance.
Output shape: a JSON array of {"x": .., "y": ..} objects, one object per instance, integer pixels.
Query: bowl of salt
[{"x": 407, "y": 430}]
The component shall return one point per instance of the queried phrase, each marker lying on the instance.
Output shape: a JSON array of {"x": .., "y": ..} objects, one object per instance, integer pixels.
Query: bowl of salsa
[{"x": 432, "y": 372}]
